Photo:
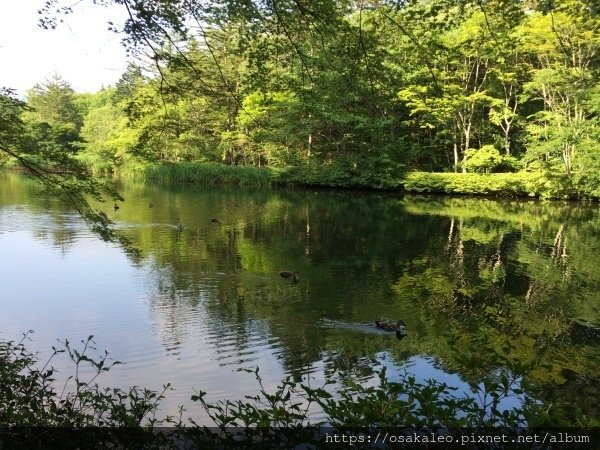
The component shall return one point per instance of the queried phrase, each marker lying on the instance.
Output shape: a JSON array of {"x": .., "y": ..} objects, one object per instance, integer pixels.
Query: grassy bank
[
  {"x": 519, "y": 184},
  {"x": 207, "y": 173},
  {"x": 215, "y": 173}
]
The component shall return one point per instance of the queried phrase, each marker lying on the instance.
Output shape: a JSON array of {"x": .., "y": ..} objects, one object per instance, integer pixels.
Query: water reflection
[{"x": 206, "y": 303}]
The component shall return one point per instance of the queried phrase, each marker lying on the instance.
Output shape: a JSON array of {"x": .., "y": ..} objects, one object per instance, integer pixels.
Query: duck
[
  {"x": 215, "y": 220},
  {"x": 290, "y": 275},
  {"x": 180, "y": 228},
  {"x": 115, "y": 206},
  {"x": 387, "y": 325}
]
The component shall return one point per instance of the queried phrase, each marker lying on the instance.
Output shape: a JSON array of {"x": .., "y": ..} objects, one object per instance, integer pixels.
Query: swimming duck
[
  {"x": 290, "y": 275},
  {"x": 215, "y": 220},
  {"x": 115, "y": 206},
  {"x": 387, "y": 325}
]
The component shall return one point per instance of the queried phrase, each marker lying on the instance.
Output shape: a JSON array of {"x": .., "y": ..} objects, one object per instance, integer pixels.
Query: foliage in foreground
[{"x": 28, "y": 398}]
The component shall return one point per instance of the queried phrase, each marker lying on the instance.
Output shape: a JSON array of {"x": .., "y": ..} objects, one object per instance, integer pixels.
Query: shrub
[
  {"x": 28, "y": 398},
  {"x": 485, "y": 159},
  {"x": 351, "y": 173},
  {"x": 520, "y": 184}
]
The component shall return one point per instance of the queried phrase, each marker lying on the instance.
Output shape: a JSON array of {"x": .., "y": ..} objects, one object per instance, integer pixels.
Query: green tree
[
  {"x": 485, "y": 159},
  {"x": 449, "y": 95},
  {"x": 130, "y": 80},
  {"x": 12, "y": 128},
  {"x": 509, "y": 69},
  {"x": 54, "y": 113},
  {"x": 563, "y": 46},
  {"x": 109, "y": 141}
]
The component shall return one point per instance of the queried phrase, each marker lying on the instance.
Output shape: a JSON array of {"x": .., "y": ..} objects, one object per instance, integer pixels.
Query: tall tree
[
  {"x": 564, "y": 47},
  {"x": 54, "y": 112}
]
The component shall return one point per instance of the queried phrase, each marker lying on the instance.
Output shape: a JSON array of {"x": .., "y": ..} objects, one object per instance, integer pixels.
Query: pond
[{"x": 197, "y": 307}]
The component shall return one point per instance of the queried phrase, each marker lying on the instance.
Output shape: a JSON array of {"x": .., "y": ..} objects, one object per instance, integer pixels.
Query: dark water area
[{"x": 198, "y": 307}]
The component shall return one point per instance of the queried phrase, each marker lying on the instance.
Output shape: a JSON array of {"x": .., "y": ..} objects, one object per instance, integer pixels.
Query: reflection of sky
[
  {"x": 64, "y": 283},
  {"x": 423, "y": 369},
  {"x": 71, "y": 293},
  {"x": 87, "y": 287}
]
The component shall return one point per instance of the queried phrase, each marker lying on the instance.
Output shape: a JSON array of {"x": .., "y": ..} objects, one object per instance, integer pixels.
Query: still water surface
[{"x": 197, "y": 307}]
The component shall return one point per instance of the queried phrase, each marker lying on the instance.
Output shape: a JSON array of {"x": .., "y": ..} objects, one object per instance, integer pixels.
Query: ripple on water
[
  {"x": 16, "y": 218},
  {"x": 238, "y": 347}
]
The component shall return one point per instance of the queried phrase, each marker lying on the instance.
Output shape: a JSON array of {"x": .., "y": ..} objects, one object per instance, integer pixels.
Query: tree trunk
[{"x": 455, "y": 157}]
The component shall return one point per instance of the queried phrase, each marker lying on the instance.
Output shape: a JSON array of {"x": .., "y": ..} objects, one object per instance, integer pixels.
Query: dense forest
[{"x": 348, "y": 93}]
